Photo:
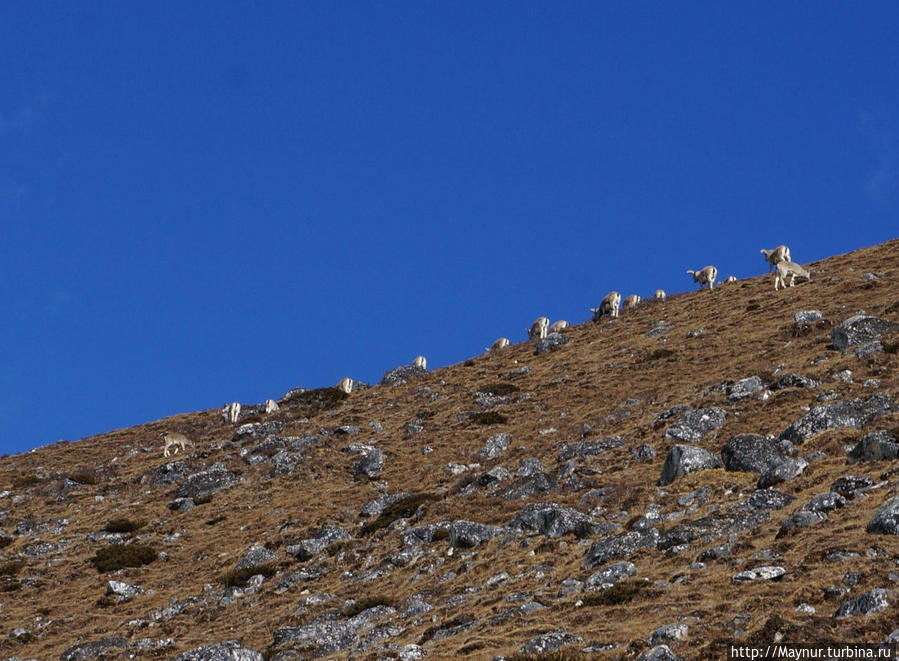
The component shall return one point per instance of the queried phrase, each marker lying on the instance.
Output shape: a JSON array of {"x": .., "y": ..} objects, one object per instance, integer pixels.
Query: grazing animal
[
  {"x": 234, "y": 412},
  {"x": 705, "y": 276},
  {"x": 632, "y": 301},
  {"x": 659, "y": 295},
  {"x": 731, "y": 278},
  {"x": 558, "y": 326},
  {"x": 791, "y": 269},
  {"x": 345, "y": 385},
  {"x": 421, "y": 362},
  {"x": 174, "y": 439},
  {"x": 271, "y": 406},
  {"x": 501, "y": 343},
  {"x": 538, "y": 329},
  {"x": 778, "y": 254},
  {"x": 609, "y": 305}
]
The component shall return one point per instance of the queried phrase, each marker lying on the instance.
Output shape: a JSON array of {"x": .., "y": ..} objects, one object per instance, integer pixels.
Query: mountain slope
[{"x": 458, "y": 589}]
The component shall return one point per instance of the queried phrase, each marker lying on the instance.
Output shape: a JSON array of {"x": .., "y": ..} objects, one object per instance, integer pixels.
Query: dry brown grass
[{"x": 749, "y": 330}]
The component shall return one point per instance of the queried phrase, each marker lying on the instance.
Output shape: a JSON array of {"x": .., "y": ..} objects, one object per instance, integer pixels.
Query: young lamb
[
  {"x": 271, "y": 406},
  {"x": 632, "y": 301},
  {"x": 420, "y": 362},
  {"x": 659, "y": 295},
  {"x": 538, "y": 329},
  {"x": 174, "y": 439},
  {"x": 731, "y": 278},
  {"x": 705, "y": 276},
  {"x": 501, "y": 343},
  {"x": 609, "y": 305},
  {"x": 778, "y": 254},
  {"x": 558, "y": 326},
  {"x": 345, "y": 385},
  {"x": 791, "y": 269}
]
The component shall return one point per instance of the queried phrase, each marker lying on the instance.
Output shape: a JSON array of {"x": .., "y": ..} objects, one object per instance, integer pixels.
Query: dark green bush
[
  {"x": 620, "y": 593},
  {"x": 117, "y": 556},
  {"x": 11, "y": 568},
  {"x": 84, "y": 477},
  {"x": 239, "y": 577},
  {"x": 499, "y": 389},
  {"x": 489, "y": 418},
  {"x": 25, "y": 481},
  {"x": 123, "y": 525},
  {"x": 659, "y": 354}
]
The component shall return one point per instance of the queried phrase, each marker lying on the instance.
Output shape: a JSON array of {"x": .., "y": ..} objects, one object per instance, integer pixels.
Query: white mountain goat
[
  {"x": 705, "y": 276},
  {"x": 271, "y": 406},
  {"x": 791, "y": 269},
  {"x": 778, "y": 254},
  {"x": 558, "y": 326},
  {"x": 421, "y": 362},
  {"x": 345, "y": 385},
  {"x": 174, "y": 439},
  {"x": 731, "y": 278},
  {"x": 609, "y": 305},
  {"x": 632, "y": 301},
  {"x": 659, "y": 295},
  {"x": 501, "y": 343},
  {"x": 538, "y": 329}
]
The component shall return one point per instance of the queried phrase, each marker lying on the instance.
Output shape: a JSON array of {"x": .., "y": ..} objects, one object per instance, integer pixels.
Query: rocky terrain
[{"x": 718, "y": 467}]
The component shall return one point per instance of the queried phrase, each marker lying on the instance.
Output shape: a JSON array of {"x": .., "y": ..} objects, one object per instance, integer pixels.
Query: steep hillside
[{"x": 397, "y": 522}]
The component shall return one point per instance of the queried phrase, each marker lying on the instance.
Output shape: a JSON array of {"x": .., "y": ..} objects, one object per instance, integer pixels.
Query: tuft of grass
[
  {"x": 5, "y": 541},
  {"x": 84, "y": 477},
  {"x": 558, "y": 655},
  {"x": 620, "y": 593},
  {"x": 367, "y": 602},
  {"x": 489, "y": 418},
  {"x": 9, "y": 584},
  {"x": 401, "y": 509},
  {"x": 313, "y": 402},
  {"x": 473, "y": 647},
  {"x": 239, "y": 577},
  {"x": 659, "y": 354},
  {"x": 217, "y": 519},
  {"x": 118, "y": 556},
  {"x": 499, "y": 389},
  {"x": 25, "y": 481},
  {"x": 123, "y": 525},
  {"x": 11, "y": 568}
]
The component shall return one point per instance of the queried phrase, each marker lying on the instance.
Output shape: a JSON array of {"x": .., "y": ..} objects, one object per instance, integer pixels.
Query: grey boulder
[
  {"x": 855, "y": 413},
  {"x": 692, "y": 426},
  {"x": 685, "y": 459},
  {"x": 861, "y": 329}
]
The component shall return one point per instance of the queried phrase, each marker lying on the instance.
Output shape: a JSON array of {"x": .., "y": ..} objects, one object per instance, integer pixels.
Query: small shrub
[
  {"x": 499, "y": 389},
  {"x": 441, "y": 535},
  {"x": 367, "y": 602},
  {"x": 9, "y": 584},
  {"x": 84, "y": 477},
  {"x": 239, "y": 577},
  {"x": 312, "y": 402},
  {"x": 123, "y": 525},
  {"x": 401, "y": 509},
  {"x": 659, "y": 354},
  {"x": 620, "y": 593},
  {"x": 558, "y": 655},
  {"x": 11, "y": 568},
  {"x": 25, "y": 481},
  {"x": 489, "y": 418},
  {"x": 217, "y": 519},
  {"x": 117, "y": 556},
  {"x": 5, "y": 541},
  {"x": 473, "y": 647},
  {"x": 203, "y": 500}
]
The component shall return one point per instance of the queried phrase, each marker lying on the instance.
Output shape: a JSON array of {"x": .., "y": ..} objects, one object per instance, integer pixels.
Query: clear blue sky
[{"x": 217, "y": 201}]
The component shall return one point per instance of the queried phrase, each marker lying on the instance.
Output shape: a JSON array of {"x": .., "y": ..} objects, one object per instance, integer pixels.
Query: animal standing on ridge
[
  {"x": 345, "y": 385},
  {"x": 558, "y": 326},
  {"x": 501, "y": 343},
  {"x": 705, "y": 276},
  {"x": 660, "y": 295},
  {"x": 608, "y": 306},
  {"x": 538, "y": 329},
  {"x": 420, "y": 362},
  {"x": 174, "y": 439},
  {"x": 632, "y": 301},
  {"x": 775, "y": 255}
]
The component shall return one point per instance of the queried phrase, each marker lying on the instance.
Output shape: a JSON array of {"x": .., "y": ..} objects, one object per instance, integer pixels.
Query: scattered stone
[
  {"x": 685, "y": 459},
  {"x": 410, "y": 429},
  {"x": 807, "y": 316},
  {"x": 551, "y": 342},
  {"x": 495, "y": 446},
  {"x": 582, "y": 449},
  {"x": 554, "y": 521},
  {"x": 527, "y": 487},
  {"x": 258, "y": 429},
  {"x": 710, "y": 527},
  {"x": 108, "y": 647},
  {"x": 800, "y": 520},
  {"x": 644, "y": 452},
  {"x": 494, "y": 476},
  {"x": 620, "y": 545},
  {"x": 122, "y": 591},
  {"x": 200, "y": 486},
  {"x": 759, "y": 574},
  {"x": 256, "y": 557},
  {"x": 745, "y": 388},
  {"x": 786, "y": 470},
  {"x": 376, "y": 506},
  {"x": 870, "y": 602},
  {"x": 402, "y": 374},
  {"x": 875, "y": 446},
  {"x": 854, "y": 413},
  {"x": 658, "y": 330},
  {"x": 794, "y": 381},
  {"x": 886, "y": 519},
  {"x": 370, "y": 464},
  {"x": 659, "y": 653},
  {"x": 769, "y": 499},
  {"x": 327, "y": 633},
  {"x": 848, "y": 486},
  {"x": 824, "y": 502},
  {"x": 753, "y": 453},
  {"x": 411, "y": 652},
  {"x": 467, "y": 534},
  {"x": 170, "y": 473},
  {"x": 550, "y": 642},
  {"x": 227, "y": 651},
  {"x": 611, "y": 574},
  {"x": 694, "y": 425},
  {"x": 860, "y": 329},
  {"x": 677, "y": 631},
  {"x": 326, "y": 535}
]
